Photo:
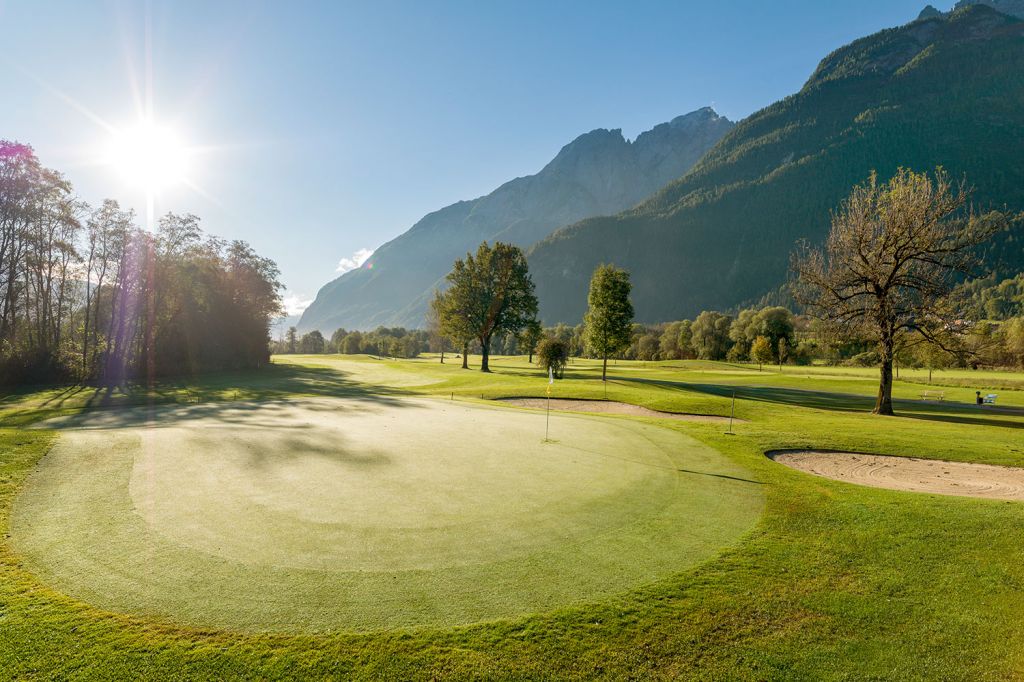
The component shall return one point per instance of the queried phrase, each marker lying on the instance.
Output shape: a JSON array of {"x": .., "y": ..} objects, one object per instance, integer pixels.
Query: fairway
[{"x": 332, "y": 514}]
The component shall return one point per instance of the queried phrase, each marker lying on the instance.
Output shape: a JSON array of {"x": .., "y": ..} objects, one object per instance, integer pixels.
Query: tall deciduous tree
[
  {"x": 891, "y": 261},
  {"x": 489, "y": 293},
  {"x": 710, "y": 335},
  {"x": 609, "y": 316},
  {"x": 529, "y": 337},
  {"x": 435, "y": 311},
  {"x": 312, "y": 342},
  {"x": 761, "y": 351}
]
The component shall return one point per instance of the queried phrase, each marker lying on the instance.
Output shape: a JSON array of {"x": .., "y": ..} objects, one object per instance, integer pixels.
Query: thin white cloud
[
  {"x": 295, "y": 304},
  {"x": 354, "y": 261}
]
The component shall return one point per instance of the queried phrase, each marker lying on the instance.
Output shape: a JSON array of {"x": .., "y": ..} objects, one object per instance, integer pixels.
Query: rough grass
[{"x": 836, "y": 582}]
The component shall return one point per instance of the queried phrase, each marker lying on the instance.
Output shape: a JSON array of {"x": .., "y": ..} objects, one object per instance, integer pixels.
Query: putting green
[{"x": 343, "y": 514}]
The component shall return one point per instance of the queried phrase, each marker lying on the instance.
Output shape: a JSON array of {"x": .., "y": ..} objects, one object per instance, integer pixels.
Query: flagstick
[
  {"x": 732, "y": 411},
  {"x": 547, "y": 419}
]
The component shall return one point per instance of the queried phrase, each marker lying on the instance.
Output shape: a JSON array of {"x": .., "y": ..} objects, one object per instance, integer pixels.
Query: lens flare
[{"x": 148, "y": 156}]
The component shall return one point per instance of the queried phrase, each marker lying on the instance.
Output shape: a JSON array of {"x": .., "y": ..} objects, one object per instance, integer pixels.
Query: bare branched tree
[{"x": 889, "y": 267}]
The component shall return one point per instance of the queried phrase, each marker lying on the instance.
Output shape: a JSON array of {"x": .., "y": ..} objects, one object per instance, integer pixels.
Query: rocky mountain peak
[
  {"x": 887, "y": 52},
  {"x": 598, "y": 173}
]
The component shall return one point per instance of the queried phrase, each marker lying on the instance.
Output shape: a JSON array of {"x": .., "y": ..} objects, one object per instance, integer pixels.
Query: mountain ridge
[
  {"x": 939, "y": 91},
  {"x": 598, "y": 172}
]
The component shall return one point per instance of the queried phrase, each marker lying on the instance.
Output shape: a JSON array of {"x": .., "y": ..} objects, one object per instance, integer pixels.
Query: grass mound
[{"x": 326, "y": 514}]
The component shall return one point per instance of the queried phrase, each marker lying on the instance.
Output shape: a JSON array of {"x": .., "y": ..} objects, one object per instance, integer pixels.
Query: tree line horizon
[
  {"x": 86, "y": 295},
  {"x": 888, "y": 283}
]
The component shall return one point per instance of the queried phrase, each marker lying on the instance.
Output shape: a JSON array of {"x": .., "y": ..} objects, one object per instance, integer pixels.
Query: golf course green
[{"x": 323, "y": 514}]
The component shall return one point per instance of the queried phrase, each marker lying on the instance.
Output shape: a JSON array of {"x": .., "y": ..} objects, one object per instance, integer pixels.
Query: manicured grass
[
  {"x": 317, "y": 515},
  {"x": 835, "y": 582}
]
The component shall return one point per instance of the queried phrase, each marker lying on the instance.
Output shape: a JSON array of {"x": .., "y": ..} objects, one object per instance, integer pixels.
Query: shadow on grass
[
  {"x": 230, "y": 395},
  {"x": 845, "y": 402},
  {"x": 731, "y": 478}
]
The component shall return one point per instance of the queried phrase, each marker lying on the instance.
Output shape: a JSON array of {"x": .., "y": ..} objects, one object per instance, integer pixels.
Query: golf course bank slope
[
  {"x": 909, "y": 473},
  {"x": 332, "y": 514},
  {"x": 610, "y": 407}
]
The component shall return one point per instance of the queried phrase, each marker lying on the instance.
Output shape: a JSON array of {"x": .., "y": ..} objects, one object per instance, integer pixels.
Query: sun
[{"x": 148, "y": 156}]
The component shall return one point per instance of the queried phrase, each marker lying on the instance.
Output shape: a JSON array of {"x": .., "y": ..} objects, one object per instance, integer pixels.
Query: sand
[{"x": 910, "y": 473}]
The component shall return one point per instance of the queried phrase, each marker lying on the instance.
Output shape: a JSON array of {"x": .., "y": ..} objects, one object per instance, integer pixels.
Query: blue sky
[{"x": 328, "y": 128}]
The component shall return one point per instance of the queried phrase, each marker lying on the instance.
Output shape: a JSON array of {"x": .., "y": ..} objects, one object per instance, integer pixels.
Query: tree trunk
[
  {"x": 485, "y": 352},
  {"x": 465, "y": 356},
  {"x": 530, "y": 359},
  {"x": 883, "y": 405},
  {"x": 604, "y": 368},
  {"x": 442, "y": 355}
]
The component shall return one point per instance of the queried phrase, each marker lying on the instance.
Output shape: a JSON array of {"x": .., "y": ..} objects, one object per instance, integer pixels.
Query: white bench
[
  {"x": 933, "y": 395},
  {"x": 990, "y": 399}
]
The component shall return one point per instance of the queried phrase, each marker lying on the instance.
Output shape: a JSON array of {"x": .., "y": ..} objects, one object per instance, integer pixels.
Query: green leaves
[
  {"x": 609, "y": 317},
  {"x": 489, "y": 293}
]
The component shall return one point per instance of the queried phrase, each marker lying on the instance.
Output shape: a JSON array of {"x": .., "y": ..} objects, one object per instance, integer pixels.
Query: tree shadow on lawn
[
  {"x": 958, "y": 413},
  {"x": 233, "y": 396},
  {"x": 295, "y": 445}
]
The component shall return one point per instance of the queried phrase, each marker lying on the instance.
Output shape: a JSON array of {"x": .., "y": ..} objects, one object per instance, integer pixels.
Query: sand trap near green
[{"x": 341, "y": 514}]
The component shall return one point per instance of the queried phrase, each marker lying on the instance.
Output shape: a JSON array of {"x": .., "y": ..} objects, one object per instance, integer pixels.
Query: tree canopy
[
  {"x": 553, "y": 354},
  {"x": 609, "y": 317},
  {"x": 86, "y": 294},
  {"x": 893, "y": 257},
  {"x": 489, "y": 293}
]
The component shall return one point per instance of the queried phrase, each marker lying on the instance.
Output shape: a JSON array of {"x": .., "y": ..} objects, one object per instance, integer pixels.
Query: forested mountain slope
[
  {"x": 944, "y": 90},
  {"x": 599, "y": 173}
]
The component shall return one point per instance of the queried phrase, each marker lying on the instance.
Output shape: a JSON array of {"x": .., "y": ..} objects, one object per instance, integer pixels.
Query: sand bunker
[
  {"x": 910, "y": 473},
  {"x": 610, "y": 407}
]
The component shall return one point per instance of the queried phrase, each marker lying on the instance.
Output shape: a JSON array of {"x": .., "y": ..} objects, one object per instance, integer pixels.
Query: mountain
[
  {"x": 1015, "y": 8},
  {"x": 946, "y": 90},
  {"x": 929, "y": 12},
  {"x": 598, "y": 173}
]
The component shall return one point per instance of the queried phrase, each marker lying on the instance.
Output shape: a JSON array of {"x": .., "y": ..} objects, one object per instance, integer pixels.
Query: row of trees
[
  {"x": 807, "y": 341},
  {"x": 85, "y": 294},
  {"x": 881, "y": 289},
  {"x": 885, "y": 279},
  {"x": 395, "y": 342}
]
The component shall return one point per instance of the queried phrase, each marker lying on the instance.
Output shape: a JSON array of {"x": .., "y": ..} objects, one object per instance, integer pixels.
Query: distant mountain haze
[
  {"x": 945, "y": 90},
  {"x": 598, "y": 173}
]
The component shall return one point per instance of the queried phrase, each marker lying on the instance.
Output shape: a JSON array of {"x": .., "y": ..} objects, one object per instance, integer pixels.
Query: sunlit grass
[{"x": 837, "y": 581}]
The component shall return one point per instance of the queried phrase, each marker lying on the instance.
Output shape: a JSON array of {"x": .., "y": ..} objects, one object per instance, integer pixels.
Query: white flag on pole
[{"x": 551, "y": 375}]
